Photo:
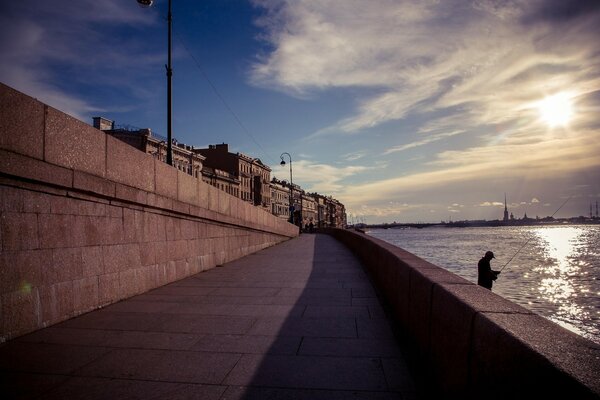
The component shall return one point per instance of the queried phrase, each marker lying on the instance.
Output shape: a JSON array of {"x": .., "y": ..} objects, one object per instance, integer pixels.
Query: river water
[{"x": 556, "y": 274}]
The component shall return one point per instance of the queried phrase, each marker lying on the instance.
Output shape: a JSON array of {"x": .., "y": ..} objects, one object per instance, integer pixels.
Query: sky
[{"x": 408, "y": 111}]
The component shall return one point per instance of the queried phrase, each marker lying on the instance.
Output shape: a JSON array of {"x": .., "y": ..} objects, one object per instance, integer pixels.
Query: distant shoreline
[{"x": 495, "y": 224}]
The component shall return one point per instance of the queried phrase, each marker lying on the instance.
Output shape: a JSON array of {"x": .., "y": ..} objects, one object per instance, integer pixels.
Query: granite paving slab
[
  {"x": 333, "y": 373},
  {"x": 299, "y": 320},
  {"x": 162, "y": 365}
]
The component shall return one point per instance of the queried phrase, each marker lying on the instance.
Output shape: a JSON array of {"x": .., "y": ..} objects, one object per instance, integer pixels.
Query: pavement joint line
[
  {"x": 74, "y": 371},
  {"x": 299, "y": 346},
  {"x": 231, "y": 369}
]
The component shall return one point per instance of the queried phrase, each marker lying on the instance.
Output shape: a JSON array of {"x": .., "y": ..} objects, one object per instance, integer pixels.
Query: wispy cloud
[
  {"x": 356, "y": 155},
  {"x": 491, "y": 204},
  {"x": 319, "y": 177},
  {"x": 422, "y": 142},
  {"x": 488, "y": 57},
  {"x": 48, "y": 46}
]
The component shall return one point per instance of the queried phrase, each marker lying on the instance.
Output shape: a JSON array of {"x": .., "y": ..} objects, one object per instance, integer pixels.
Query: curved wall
[
  {"x": 472, "y": 342},
  {"x": 86, "y": 220}
]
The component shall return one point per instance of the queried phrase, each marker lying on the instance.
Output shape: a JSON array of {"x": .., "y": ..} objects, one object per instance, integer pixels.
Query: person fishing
[{"x": 485, "y": 274}]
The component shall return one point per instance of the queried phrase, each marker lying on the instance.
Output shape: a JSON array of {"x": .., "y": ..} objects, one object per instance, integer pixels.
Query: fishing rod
[{"x": 528, "y": 240}]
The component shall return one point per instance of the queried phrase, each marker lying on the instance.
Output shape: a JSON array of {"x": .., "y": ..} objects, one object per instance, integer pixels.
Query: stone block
[
  {"x": 187, "y": 188},
  {"x": 202, "y": 230},
  {"x": 66, "y": 265},
  {"x": 152, "y": 279},
  {"x": 181, "y": 207},
  {"x": 108, "y": 288},
  {"x": 31, "y": 168},
  {"x": 147, "y": 253},
  {"x": 161, "y": 274},
  {"x": 224, "y": 203},
  {"x": 131, "y": 194},
  {"x": 234, "y": 210},
  {"x": 203, "y": 194},
  {"x": 166, "y": 179},
  {"x": 89, "y": 230},
  {"x": 73, "y": 144},
  {"x": 89, "y": 197},
  {"x": 128, "y": 165},
  {"x": 451, "y": 321},
  {"x": 132, "y": 226},
  {"x": 253, "y": 216},
  {"x": 91, "y": 208},
  {"x": 56, "y": 302},
  {"x": 22, "y": 270},
  {"x": 158, "y": 201},
  {"x": 85, "y": 294},
  {"x": 213, "y": 198},
  {"x": 178, "y": 249},
  {"x": 127, "y": 283},
  {"x": 181, "y": 269},
  {"x": 19, "y": 231},
  {"x": 92, "y": 261},
  {"x": 113, "y": 231},
  {"x": 142, "y": 279},
  {"x": 62, "y": 205},
  {"x": 36, "y": 202},
  {"x": 150, "y": 226},
  {"x": 161, "y": 223},
  {"x": 114, "y": 211},
  {"x": 121, "y": 257},
  {"x": 189, "y": 229},
  {"x": 532, "y": 357},
  {"x": 94, "y": 184},
  {"x": 21, "y": 123},
  {"x": 419, "y": 309},
  {"x": 173, "y": 228},
  {"x": 171, "y": 271},
  {"x": 194, "y": 265},
  {"x": 162, "y": 251},
  {"x": 20, "y": 312},
  {"x": 12, "y": 199},
  {"x": 400, "y": 300}
]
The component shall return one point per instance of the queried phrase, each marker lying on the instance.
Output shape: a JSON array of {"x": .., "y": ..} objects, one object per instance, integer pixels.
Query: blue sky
[{"x": 404, "y": 111}]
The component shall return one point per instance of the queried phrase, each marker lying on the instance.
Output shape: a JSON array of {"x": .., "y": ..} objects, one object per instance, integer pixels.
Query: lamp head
[
  {"x": 282, "y": 162},
  {"x": 145, "y": 3}
]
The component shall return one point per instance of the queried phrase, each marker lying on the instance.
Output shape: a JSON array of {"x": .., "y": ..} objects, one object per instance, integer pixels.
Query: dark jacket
[{"x": 485, "y": 274}]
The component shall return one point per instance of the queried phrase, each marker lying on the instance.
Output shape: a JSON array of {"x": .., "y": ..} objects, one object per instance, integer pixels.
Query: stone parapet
[
  {"x": 86, "y": 220},
  {"x": 471, "y": 342}
]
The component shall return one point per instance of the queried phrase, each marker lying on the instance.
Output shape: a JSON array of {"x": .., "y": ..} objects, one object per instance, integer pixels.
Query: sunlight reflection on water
[{"x": 556, "y": 274}]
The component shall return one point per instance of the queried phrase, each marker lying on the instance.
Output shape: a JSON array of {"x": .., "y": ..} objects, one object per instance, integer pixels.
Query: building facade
[
  {"x": 184, "y": 157},
  {"x": 222, "y": 180},
  {"x": 254, "y": 176},
  {"x": 309, "y": 209},
  {"x": 238, "y": 174},
  {"x": 280, "y": 199}
]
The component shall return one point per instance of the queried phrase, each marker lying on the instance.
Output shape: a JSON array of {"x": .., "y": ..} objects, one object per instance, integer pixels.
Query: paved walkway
[{"x": 296, "y": 321}]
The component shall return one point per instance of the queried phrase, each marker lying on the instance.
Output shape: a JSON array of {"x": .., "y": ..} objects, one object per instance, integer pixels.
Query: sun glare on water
[{"x": 556, "y": 110}]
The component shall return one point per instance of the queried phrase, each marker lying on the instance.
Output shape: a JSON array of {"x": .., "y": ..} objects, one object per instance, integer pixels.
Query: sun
[{"x": 556, "y": 110}]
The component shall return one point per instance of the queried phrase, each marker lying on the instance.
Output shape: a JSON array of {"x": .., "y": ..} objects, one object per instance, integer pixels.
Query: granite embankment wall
[
  {"x": 86, "y": 220},
  {"x": 471, "y": 342}
]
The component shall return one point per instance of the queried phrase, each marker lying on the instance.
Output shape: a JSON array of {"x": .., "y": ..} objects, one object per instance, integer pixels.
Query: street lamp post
[
  {"x": 291, "y": 186},
  {"x": 148, "y": 3}
]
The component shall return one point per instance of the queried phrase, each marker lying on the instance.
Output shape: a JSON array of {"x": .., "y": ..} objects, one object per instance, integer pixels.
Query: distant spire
[{"x": 505, "y": 209}]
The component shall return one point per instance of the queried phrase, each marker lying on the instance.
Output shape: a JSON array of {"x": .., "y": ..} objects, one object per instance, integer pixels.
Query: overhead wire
[{"x": 225, "y": 103}]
